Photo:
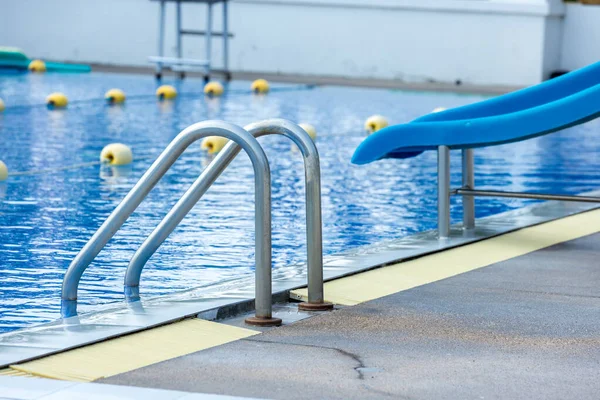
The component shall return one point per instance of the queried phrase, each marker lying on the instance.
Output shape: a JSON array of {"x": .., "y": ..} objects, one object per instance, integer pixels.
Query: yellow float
[
  {"x": 312, "y": 132},
  {"x": 2, "y": 107},
  {"x": 57, "y": 100},
  {"x": 166, "y": 92},
  {"x": 213, "y": 144},
  {"x": 115, "y": 96},
  {"x": 37, "y": 66},
  {"x": 213, "y": 89},
  {"x": 375, "y": 123},
  {"x": 116, "y": 154},
  {"x": 3, "y": 171},
  {"x": 260, "y": 86}
]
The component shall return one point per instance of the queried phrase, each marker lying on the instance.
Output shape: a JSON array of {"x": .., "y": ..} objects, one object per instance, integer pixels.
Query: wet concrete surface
[{"x": 520, "y": 329}]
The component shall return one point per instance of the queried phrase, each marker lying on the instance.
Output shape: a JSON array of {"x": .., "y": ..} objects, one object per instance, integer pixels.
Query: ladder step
[
  {"x": 189, "y": 68},
  {"x": 203, "y": 33},
  {"x": 178, "y": 61},
  {"x": 193, "y": 1}
]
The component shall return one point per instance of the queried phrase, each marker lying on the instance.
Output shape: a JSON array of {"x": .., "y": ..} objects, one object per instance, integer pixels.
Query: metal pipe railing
[
  {"x": 468, "y": 192},
  {"x": 161, "y": 36},
  {"x": 226, "y": 39},
  {"x": 522, "y": 195},
  {"x": 210, "y": 174},
  {"x": 137, "y": 194},
  {"x": 468, "y": 182},
  {"x": 208, "y": 37},
  {"x": 443, "y": 192},
  {"x": 178, "y": 27}
]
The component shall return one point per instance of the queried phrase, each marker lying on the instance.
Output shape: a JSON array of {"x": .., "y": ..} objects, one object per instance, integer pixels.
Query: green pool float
[{"x": 14, "y": 58}]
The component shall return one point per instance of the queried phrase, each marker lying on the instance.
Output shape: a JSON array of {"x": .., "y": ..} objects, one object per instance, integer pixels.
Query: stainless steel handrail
[
  {"x": 210, "y": 174},
  {"x": 468, "y": 182},
  {"x": 443, "y": 192},
  {"x": 136, "y": 195},
  {"x": 523, "y": 195},
  {"x": 468, "y": 192}
]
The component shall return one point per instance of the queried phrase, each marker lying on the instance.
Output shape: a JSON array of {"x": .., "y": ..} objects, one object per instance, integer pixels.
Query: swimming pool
[{"x": 47, "y": 216}]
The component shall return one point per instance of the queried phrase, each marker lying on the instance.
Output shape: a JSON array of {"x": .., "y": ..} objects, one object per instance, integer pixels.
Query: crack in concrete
[
  {"x": 384, "y": 393},
  {"x": 356, "y": 358}
]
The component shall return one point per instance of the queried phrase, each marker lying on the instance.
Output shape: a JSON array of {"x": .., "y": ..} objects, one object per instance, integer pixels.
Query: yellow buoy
[
  {"x": 312, "y": 132},
  {"x": 260, "y": 86},
  {"x": 375, "y": 123},
  {"x": 2, "y": 107},
  {"x": 213, "y": 89},
  {"x": 115, "y": 96},
  {"x": 439, "y": 109},
  {"x": 214, "y": 144},
  {"x": 116, "y": 154},
  {"x": 57, "y": 100},
  {"x": 37, "y": 66},
  {"x": 166, "y": 92},
  {"x": 3, "y": 171}
]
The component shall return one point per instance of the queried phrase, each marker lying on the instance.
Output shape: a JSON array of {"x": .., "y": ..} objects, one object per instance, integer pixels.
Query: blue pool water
[{"x": 46, "y": 217}]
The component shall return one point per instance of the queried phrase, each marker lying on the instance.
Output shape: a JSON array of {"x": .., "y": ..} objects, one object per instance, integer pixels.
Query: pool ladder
[
  {"x": 240, "y": 139},
  {"x": 180, "y": 64}
]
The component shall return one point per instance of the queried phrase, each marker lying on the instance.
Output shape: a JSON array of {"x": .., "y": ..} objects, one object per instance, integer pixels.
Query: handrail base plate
[
  {"x": 263, "y": 321},
  {"x": 324, "y": 306}
]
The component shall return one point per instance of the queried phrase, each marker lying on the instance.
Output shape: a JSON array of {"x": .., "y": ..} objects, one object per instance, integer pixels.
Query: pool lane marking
[
  {"x": 130, "y": 352},
  {"x": 406, "y": 275}
]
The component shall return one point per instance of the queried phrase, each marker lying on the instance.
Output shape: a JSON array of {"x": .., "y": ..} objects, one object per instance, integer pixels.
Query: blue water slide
[{"x": 566, "y": 101}]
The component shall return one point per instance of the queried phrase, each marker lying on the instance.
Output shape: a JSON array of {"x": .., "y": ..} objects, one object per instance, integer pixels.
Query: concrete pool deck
[
  {"x": 513, "y": 316},
  {"x": 392, "y": 84},
  {"x": 523, "y": 328}
]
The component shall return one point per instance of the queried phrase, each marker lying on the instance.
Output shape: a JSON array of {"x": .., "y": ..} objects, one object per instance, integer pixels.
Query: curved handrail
[
  {"x": 211, "y": 173},
  {"x": 162, "y": 164},
  {"x": 396, "y": 140}
]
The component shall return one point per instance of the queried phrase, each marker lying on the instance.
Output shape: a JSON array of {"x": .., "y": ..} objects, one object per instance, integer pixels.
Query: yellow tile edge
[
  {"x": 12, "y": 372},
  {"x": 131, "y": 352},
  {"x": 406, "y": 275}
]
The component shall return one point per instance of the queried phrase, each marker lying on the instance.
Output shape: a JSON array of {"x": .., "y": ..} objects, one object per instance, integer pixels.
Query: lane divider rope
[
  {"x": 153, "y": 96},
  {"x": 82, "y": 165}
]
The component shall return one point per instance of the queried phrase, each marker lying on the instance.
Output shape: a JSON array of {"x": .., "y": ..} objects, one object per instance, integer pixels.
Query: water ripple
[{"x": 45, "y": 219}]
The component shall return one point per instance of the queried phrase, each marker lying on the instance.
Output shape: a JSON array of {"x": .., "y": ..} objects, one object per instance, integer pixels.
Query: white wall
[
  {"x": 500, "y": 42},
  {"x": 552, "y": 47},
  {"x": 581, "y": 36}
]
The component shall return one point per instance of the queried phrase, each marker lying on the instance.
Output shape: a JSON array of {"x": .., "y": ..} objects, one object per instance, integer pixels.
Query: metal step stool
[{"x": 183, "y": 65}]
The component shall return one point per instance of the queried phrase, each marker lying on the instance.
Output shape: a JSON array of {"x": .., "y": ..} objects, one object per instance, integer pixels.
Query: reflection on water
[
  {"x": 115, "y": 174},
  {"x": 213, "y": 105},
  {"x": 46, "y": 219},
  {"x": 166, "y": 106}
]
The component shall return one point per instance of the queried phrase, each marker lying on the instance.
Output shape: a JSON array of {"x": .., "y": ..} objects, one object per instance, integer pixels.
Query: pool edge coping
[{"x": 238, "y": 300}]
